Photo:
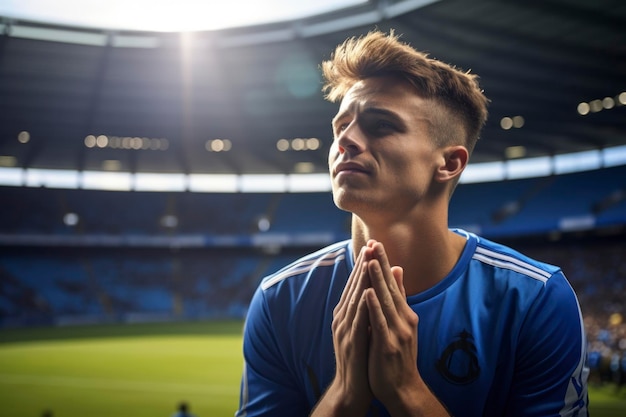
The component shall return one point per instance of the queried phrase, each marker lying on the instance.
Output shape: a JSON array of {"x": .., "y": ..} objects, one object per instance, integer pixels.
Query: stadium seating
[{"x": 122, "y": 261}]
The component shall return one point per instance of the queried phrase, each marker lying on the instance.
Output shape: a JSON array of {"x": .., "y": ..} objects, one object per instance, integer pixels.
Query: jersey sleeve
[
  {"x": 551, "y": 370},
  {"x": 268, "y": 388}
]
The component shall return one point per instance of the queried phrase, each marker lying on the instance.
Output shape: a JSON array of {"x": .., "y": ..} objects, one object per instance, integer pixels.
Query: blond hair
[{"x": 379, "y": 54}]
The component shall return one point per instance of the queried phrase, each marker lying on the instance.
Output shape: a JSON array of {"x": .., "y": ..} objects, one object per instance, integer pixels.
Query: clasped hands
[{"x": 374, "y": 335}]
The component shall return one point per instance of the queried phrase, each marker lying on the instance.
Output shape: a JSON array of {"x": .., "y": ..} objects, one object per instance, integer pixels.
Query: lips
[{"x": 350, "y": 167}]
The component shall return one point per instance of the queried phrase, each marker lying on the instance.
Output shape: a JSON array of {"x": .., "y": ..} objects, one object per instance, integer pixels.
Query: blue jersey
[{"x": 500, "y": 335}]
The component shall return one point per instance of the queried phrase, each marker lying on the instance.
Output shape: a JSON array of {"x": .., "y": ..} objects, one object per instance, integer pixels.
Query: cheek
[
  {"x": 333, "y": 153},
  {"x": 411, "y": 167}
]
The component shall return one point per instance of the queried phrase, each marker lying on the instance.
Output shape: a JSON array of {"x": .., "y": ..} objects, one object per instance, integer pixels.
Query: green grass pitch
[
  {"x": 141, "y": 370},
  {"x": 131, "y": 370}
]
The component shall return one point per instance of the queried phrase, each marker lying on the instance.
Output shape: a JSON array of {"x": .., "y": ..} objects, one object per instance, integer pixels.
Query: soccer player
[{"x": 409, "y": 317}]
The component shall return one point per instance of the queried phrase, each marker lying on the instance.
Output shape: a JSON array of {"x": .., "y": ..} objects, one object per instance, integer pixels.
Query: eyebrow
[{"x": 370, "y": 111}]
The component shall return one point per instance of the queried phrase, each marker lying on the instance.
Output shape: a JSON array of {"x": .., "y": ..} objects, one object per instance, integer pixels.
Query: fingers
[
  {"x": 350, "y": 328},
  {"x": 346, "y": 313},
  {"x": 360, "y": 284},
  {"x": 372, "y": 268},
  {"x": 352, "y": 279},
  {"x": 361, "y": 321},
  {"x": 380, "y": 286},
  {"x": 386, "y": 281},
  {"x": 377, "y": 319},
  {"x": 398, "y": 274},
  {"x": 380, "y": 254}
]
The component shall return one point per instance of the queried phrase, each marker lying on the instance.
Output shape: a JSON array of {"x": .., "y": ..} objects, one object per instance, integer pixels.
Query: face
[{"x": 383, "y": 158}]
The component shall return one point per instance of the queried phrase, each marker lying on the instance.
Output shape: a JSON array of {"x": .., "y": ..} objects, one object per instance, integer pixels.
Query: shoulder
[
  {"x": 502, "y": 272},
  {"x": 322, "y": 261},
  {"x": 536, "y": 289},
  {"x": 511, "y": 263},
  {"x": 305, "y": 291}
]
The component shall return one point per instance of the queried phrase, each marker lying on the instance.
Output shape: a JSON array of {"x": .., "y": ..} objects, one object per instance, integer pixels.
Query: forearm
[
  {"x": 337, "y": 403},
  {"x": 418, "y": 402}
]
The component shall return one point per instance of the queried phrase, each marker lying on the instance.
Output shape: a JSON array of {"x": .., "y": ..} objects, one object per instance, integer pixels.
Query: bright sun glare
[{"x": 166, "y": 15}]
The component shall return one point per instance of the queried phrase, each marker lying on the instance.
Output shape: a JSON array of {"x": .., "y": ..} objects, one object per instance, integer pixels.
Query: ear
[{"x": 454, "y": 162}]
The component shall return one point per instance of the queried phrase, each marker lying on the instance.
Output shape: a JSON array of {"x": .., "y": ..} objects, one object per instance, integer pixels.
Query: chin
[{"x": 348, "y": 202}]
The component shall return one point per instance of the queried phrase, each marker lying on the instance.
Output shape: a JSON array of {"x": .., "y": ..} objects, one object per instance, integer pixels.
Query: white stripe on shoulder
[
  {"x": 327, "y": 259},
  {"x": 509, "y": 262}
]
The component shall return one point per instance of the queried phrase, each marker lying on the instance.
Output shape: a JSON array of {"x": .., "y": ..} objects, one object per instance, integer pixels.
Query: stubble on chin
[
  {"x": 353, "y": 201},
  {"x": 343, "y": 199}
]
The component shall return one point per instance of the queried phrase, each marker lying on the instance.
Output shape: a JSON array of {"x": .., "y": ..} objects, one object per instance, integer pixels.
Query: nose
[{"x": 351, "y": 139}]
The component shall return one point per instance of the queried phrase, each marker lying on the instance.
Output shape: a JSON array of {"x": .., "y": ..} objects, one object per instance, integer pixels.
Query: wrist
[
  {"x": 339, "y": 400},
  {"x": 419, "y": 401}
]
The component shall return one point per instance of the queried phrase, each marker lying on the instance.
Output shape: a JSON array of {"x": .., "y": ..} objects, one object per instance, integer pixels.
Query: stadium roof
[
  {"x": 167, "y": 15},
  {"x": 247, "y": 99}
]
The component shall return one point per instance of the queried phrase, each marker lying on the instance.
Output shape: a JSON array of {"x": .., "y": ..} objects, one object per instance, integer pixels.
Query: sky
[{"x": 166, "y": 15}]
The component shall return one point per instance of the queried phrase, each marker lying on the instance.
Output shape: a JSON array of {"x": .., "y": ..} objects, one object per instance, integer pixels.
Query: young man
[{"x": 408, "y": 317}]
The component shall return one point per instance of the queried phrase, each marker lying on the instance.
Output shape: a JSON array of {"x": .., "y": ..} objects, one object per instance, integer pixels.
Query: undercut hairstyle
[{"x": 378, "y": 54}]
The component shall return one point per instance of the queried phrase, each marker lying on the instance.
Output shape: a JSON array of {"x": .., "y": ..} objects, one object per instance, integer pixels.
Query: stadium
[{"x": 151, "y": 176}]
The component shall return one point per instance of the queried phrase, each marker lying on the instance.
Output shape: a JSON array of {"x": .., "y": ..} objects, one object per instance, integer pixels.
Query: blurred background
[{"x": 157, "y": 160}]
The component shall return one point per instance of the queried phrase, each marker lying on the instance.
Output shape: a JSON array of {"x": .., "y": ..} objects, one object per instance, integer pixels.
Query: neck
[{"x": 426, "y": 250}]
